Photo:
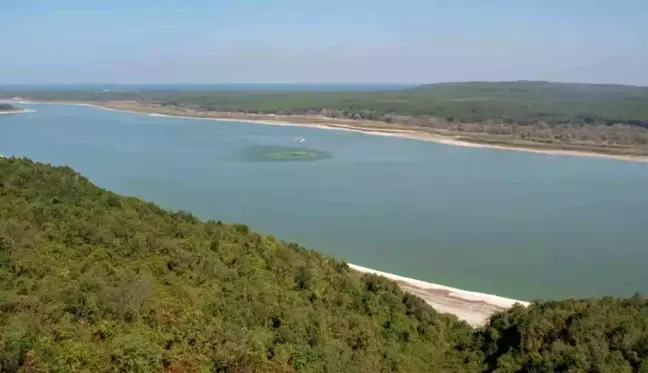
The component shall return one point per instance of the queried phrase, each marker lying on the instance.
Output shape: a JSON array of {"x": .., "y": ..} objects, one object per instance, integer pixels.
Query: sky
[{"x": 322, "y": 41}]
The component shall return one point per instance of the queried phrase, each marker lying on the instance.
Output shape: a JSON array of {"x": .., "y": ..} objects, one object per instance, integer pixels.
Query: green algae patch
[{"x": 269, "y": 153}]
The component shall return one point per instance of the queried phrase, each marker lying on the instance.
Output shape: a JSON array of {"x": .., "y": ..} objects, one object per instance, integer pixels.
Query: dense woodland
[
  {"x": 94, "y": 282},
  {"x": 543, "y": 112}
]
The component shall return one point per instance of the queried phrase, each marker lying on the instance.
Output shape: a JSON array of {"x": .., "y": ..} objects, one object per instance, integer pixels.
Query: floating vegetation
[{"x": 269, "y": 153}]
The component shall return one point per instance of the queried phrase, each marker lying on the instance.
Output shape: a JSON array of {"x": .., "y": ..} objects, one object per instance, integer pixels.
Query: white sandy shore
[
  {"x": 421, "y": 136},
  {"x": 406, "y": 134},
  {"x": 412, "y": 135},
  {"x": 472, "y": 307}
]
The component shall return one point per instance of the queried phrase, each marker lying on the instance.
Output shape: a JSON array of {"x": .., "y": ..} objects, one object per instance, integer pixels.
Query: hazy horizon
[
  {"x": 308, "y": 83},
  {"x": 334, "y": 42}
]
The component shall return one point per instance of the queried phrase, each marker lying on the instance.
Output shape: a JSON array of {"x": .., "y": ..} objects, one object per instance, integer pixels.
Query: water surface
[{"x": 516, "y": 224}]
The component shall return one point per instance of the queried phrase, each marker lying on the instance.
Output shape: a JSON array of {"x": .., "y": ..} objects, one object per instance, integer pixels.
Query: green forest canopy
[
  {"x": 95, "y": 282},
  {"x": 522, "y": 102}
]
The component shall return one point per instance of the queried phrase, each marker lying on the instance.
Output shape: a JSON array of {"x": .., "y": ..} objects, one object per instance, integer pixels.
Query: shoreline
[
  {"x": 411, "y": 134},
  {"x": 473, "y": 307}
]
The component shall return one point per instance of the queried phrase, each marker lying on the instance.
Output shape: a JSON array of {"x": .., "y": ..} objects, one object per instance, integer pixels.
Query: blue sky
[{"x": 332, "y": 41}]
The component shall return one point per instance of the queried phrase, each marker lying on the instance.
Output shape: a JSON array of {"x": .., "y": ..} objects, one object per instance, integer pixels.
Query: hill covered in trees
[
  {"x": 94, "y": 282},
  {"x": 603, "y": 118}
]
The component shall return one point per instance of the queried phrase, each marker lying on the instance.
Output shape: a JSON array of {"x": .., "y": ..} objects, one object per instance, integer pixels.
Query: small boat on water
[{"x": 300, "y": 139}]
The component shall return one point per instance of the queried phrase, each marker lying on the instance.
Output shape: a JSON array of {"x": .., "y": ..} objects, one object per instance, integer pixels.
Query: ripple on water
[{"x": 269, "y": 153}]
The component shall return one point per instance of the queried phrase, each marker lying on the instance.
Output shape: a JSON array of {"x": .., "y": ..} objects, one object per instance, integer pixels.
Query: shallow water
[
  {"x": 515, "y": 224},
  {"x": 273, "y": 153}
]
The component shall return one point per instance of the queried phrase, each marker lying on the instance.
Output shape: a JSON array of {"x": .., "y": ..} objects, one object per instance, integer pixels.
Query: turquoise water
[{"x": 516, "y": 224}]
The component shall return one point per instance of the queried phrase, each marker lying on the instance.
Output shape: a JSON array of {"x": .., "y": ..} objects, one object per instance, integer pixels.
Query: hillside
[
  {"x": 532, "y": 102},
  {"x": 92, "y": 281}
]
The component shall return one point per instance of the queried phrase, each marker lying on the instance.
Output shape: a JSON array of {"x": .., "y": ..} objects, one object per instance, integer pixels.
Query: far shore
[{"x": 365, "y": 127}]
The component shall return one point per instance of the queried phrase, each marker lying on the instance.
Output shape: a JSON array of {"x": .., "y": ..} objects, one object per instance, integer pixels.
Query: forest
[
  {"x": 91, "y": 281},
  {"x": 544, "y": 113}
]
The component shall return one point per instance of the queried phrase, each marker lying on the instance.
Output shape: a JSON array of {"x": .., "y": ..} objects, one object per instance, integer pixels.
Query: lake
[{"x": 515, "y": 224}]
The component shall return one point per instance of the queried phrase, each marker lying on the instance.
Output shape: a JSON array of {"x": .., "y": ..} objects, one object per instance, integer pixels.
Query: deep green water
[{"x": 515, "y": 224}]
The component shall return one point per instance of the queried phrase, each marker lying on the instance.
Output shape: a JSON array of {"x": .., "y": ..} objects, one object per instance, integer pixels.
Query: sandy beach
[
  {"x": 439, "y": 139},
  {"x": 472, "y": 307},
  {"x": 412, "y": 135}
]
